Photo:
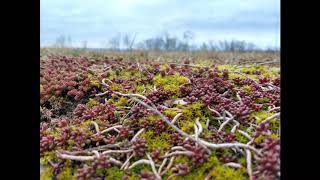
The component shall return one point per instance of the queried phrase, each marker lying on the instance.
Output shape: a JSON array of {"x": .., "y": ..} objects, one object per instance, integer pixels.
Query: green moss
[
  {"x": 261, "y": 115},
  {"x": 247, "y": 89},
  {"x": 163, "y": 67},
  {"x": 66, "y": 173},
  {"x": 121, "y": 102},
  {"x": 91, "y": 103},
  {"x": 110, "y": 101},
  {"x": 233, "y": 76},
  {"x": 240, "y": 138},
  {"x": 274, "y": 136},
  {"x": 93, "y": 80},
  {"x": 274, "y": 124},
  {"x": 114, "y": 173},
  {"x": 48, "y": 155},
  {"x": 141, "y": 167},
  {"x": 182, "y": 159},
  {"x": 46, "y": 174},
  {"x": 260, "y": 138},
  {"x": 126, "y": 74},
  {"x": 170, "y": 112},
  {"x": 228, "y": 67},
  {"x": 140, "y": 89},
  {"x": 262, "y": 100},
  {"x": 160, "y": 141},
  {"x": 192, "y": 111},
  {"x": 187, "y": 126},
  {"x": 95, "y": 83},
  {"x": 242, "y": 161},
  {"x": 116, "y": 87},
  {"x": 41, "y": 88},
  {"x": 133, "y": 177},
  {"x": 189, "y": 115},
  {"x": 201, "y": 171},
  {"x": 70, "y": 142},
  {"x": 171, "y": 82},
  {"x": 226, "y": 173}
]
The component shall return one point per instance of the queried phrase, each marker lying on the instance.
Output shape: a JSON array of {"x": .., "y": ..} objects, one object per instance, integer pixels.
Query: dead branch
[
  {"x": 200, "y": 141},
  {"x": 111, "y": 128},
  {"x": 277, "y": 115},
  {"x": 137, "y": 134},
  {"x": 169, "y": 166},
  {"x": 245, "y": 134},
  {"x": 214, "y": 111},
  {"x": 232, "y": 164},
  {"x": 225, "y": 123},
  {"x": 126, "y": 162},
  {"x": 175, "y": 118},
  {"x": 117, "y": 151},
  {"x": 176, "y": 153},
  {"x": 249, "y": 169},
  {"x": 153, "y": 167}
]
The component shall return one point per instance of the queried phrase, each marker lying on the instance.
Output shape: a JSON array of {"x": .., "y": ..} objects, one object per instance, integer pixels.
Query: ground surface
[{"x": 117, "y": 119}]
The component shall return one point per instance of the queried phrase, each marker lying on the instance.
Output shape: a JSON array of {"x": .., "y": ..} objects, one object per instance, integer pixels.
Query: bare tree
[
  {"x": 170, "y": 43},
  {"x": 204, "y": 47},
  {"x": 128, "y": 41},
  {"x": 115, "y": 42},
  {"x": 188, "y": 36},
  {"x": 84, "y": 45},
  {"x": 69, "y": 40},
  {"x": 60, "y": 41},
  {"x": 154, "y": 43},
  {"x": 212, "y": 45}
]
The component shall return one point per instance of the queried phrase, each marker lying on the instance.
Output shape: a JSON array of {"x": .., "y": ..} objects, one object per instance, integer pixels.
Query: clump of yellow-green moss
[{"x": 170, "y": 82}]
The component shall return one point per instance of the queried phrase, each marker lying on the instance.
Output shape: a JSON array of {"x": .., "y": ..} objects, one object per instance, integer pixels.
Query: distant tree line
[{"x": 167, "y": 42}]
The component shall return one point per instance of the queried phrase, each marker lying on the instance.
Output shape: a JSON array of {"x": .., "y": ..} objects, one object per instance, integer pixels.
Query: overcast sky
[{"x": 96, "y": 21}]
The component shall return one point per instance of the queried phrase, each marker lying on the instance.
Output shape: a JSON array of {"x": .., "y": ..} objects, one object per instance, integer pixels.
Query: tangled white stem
[
  {"x": 196, "y": 133},
  {"x": 269, "y": 118},
  {"x": 141, "y": 161},
  {"x": 239, "y": 98},
  {"x": 111, "y": 128},
  {"x": 249, "y": 169},
  {"x": 275, "y": 108},
  {"x": 153, "y": 167},
  {"x": 200, "y": 141},
  {"x": 214, "y": 111},
  {"x": 176, "y": 153},
  {"x": 107, "y": 146},
  {"x": 101, "y": 94},
  {"x": 96, "y": 126},
  {"x": 117, "y": 151},
  {"x": 169, "y": 166},
  {"x": 96, "y": 153},
  {"x": 163, "y": 163},
  {"x": 178, "y": 148},
  {"x": 200, "y": 129},
  {"x": 233, "y": 130},
  {"x": 232, "y": 164},
  {"x": 126, "y": 162},
  {"x": 75, "y": 158},
  {"x": 87, "y": 158},
  {"x": 245, "y": 134},
  {"x": 114, "y": 161},
  {"x": 224, "y": 123},
  {"x": 137, "y": 134},
  {"x": 175, "y": 118},
  {"x": 207, "y": 122}
]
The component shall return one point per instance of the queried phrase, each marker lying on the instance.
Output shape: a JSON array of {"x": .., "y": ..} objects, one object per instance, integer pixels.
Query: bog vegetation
[{"x": 159, "y": 115}]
